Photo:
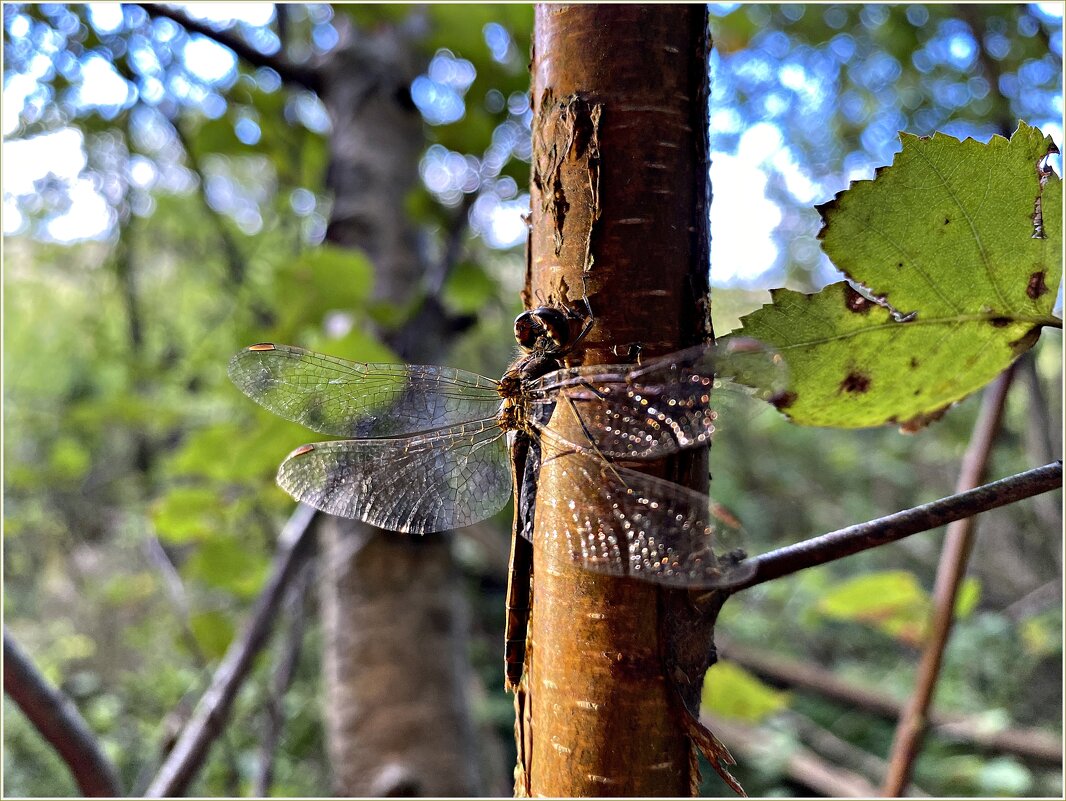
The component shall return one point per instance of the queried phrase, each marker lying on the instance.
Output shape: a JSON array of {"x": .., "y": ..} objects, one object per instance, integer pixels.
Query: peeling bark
[{"x": 620, "y": 197}]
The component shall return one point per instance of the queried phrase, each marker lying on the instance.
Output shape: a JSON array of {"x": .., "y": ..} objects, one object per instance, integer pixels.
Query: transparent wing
[
  {"x": 448, "y": 479},
  {"x": 647, "y": 528},
  {"x": 653, "y": 409},
  {"x": 354, "y": 399}
]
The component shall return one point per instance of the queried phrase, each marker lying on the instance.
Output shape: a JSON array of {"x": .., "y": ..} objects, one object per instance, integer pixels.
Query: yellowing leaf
[
  {"x": 732, "y": 692},
  {"x": 962, "y": 273},
  {"x": 894, "y": 603},
  {"x": 1042, "y": 635},
  {"x": 968, "y": 596}
]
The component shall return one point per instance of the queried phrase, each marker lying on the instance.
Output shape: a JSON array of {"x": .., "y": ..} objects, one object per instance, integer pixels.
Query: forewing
[
  {"x": 646, "y": 528},
  {"x": 649, "y": 410},
  {"x": 449, "y": 479},
  {"x": 355, "y": 399}
]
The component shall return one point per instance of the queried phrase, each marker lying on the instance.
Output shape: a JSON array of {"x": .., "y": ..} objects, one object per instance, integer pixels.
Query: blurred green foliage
[
  {"x": 733, "y": 692},
  {"x": 120, "y": 425}
]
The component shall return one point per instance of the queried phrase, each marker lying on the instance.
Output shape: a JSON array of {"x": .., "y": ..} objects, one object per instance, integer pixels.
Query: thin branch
[
  {"x": 295, "y": 602},
  {"x": 56, "y": 717},
  {"x": 810, "y": 678},
  {"x": 303, "y": 77},
  {"x": 1045, "y": 596},
  {"x": 437, "y": 275},
  {"x": 841, "y": 752},
  {"x": 1040, "y": 431},
  {"x": 874, "y": 533},
  {"x": 175, "y": 591},
  {"x": 234, "y": 258},
  {"x": 800, "y": 765},
  {"x": 910, "y": 730},
  {"x": 188, "y": 754},
  {"x": 281, "y": 17},
  {"x": 992, "y": 73}
]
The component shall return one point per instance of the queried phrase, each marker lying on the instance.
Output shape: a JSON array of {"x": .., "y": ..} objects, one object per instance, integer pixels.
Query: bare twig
[
  {"x": 910, "y": 730},
  {"x": 1040, "y": 431},
  {"x": 976, "y": 19},
  {"x": 281, "y": 16},
  {"x": 207, "y": 720},
  {"x": 1045, "y": 596},
  {"x": 843, "y": 753},
  {"x": 874, "y": 533},
  {"x": 806, "y": 677},
  {"x": 304, "y": 77},
  {"x": 295, "y": 603},
  {"x": 54, "y": 715},
  {"x": 437, "y": 275},
  {"x": 1043, "y": 442},
  {"x": 800, "y": 765},
  {"x": 234, "y": 258},
  {"x": 158, "y": 556}
]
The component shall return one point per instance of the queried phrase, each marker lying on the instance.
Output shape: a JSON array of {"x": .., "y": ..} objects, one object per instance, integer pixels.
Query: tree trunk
[
  {"x": 396, "y": 635},
  {"x": 620, "y": 196}
]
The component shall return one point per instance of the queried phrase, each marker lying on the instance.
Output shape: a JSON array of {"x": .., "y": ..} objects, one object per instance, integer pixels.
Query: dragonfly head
[{"x": 544, "y": 330}]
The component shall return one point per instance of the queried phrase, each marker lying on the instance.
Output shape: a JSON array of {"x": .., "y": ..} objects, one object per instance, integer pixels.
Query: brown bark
[
  {"x": 397, "y": 716},
  {"x": 395, "y": 651},
  {"x": 619, "y": 216}
]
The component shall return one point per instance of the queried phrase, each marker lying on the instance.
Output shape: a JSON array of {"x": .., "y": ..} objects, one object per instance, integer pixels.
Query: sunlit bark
[{"x": 619, "y": 202}]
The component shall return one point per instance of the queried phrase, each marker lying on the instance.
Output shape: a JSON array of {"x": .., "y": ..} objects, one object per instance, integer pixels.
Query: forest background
[{"x": 166, "y": 203}]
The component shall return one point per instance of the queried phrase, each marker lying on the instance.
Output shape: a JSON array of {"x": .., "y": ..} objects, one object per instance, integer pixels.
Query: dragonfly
[{"x": 426, "y": 448}]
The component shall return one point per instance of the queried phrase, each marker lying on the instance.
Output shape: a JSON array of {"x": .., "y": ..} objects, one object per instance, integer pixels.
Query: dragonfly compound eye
[
  {"x": 527, "y": 329},
  {"x": 554, "y": 325}
]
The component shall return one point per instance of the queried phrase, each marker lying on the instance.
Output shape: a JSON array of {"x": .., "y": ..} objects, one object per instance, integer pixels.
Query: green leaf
[
  {"x": 228, "y": 452},
  {"x": 1004, "y": 776},
  {"x": 461, "y": 27},
  {"x": 891, "y": 601},
  {"x": 732, "y": 692},
  {"x": 944, "y": 242},
  {"x": 357, "y": 345},
  {"x": 213, "y": 632},
  {"x": 187, "y": 514},
  {"x": 69, "y": 459},
  {"x": 228, "y": 564},
  {"x": 327, "y": 278}
]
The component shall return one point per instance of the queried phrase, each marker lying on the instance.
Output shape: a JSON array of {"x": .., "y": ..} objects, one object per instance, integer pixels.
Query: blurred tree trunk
[
  {"x": 395, "y": 661},
  {"x": 620, "y": 197}
]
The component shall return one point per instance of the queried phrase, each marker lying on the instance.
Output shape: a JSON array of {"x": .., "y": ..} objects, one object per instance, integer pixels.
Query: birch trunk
[
  {"x": 620, "y": 197},
  {"x": 396, "y": 634}
]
